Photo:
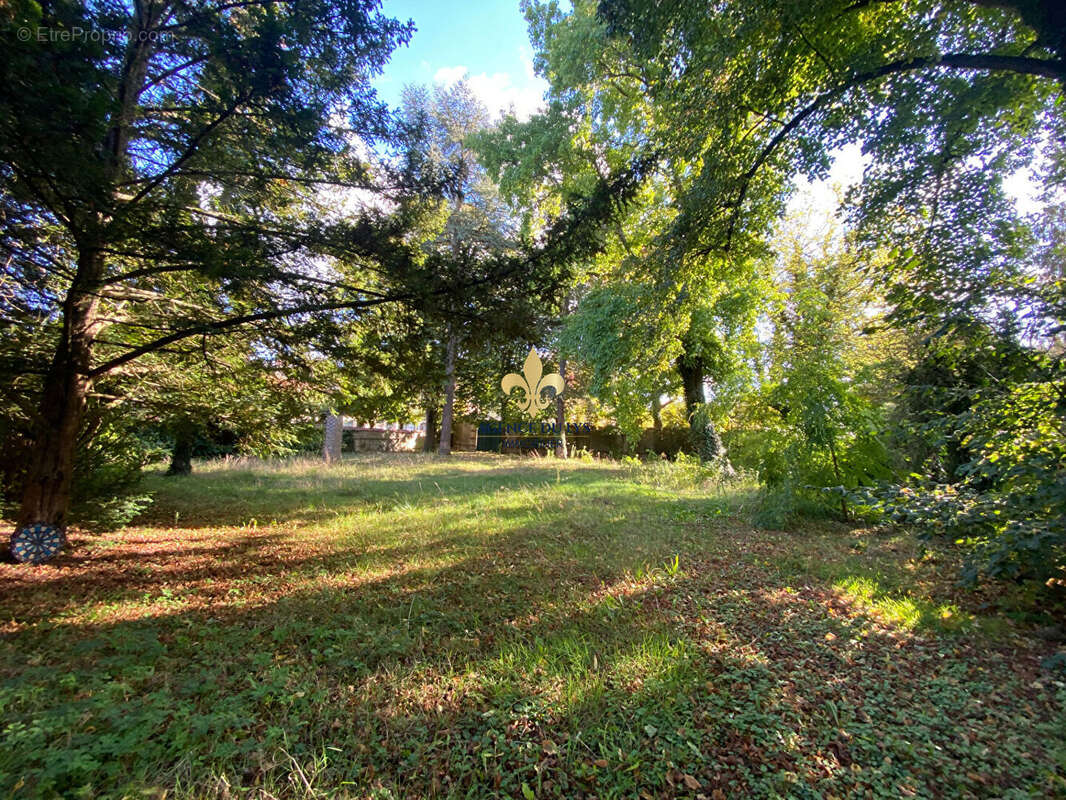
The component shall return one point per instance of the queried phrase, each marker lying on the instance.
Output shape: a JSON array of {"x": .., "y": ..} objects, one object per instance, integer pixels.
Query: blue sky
[{"x": 487, "y": 40}]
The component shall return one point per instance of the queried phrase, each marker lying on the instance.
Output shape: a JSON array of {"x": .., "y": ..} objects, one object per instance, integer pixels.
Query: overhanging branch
[
  {"x": 962, "y": 61},
  {"x": 617, "y": 192}
]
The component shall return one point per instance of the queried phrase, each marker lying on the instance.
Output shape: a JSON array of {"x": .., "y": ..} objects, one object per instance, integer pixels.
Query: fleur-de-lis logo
[{"x": 533, "y": 384}]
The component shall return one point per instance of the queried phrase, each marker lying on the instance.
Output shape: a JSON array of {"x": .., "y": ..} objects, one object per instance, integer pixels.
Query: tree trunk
[
  {"x": 503, "y": 405},
  {"x": 692, "y": 384},
  {"x": 49, "y": 475},
  {"x": 706, "y": 443},
  {"x": 431, "y": 426},
  {"x": 46, "y": 493},
  {"x": 657, "y": 421},
  {"x": 445, "y": 448},
  {"x": 836, "y": 472},
  {"x": 181, "y": 455},
  {"x": 560, "y": 415}
]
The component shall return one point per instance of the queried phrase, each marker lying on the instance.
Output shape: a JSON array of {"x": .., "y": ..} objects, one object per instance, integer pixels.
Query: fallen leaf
[{"x": 840, "y": 753}]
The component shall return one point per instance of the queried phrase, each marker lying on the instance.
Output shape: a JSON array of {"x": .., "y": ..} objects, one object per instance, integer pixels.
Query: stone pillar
[{"x": 331, "y": 444}]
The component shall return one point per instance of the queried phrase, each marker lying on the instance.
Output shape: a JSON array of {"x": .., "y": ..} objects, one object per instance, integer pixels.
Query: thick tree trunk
[
  {"x": 428, "y": 445},
  {"x": 560, "y": 416},
  {"x": 706, "y": 442},
  {"x": 49, "y": 475},
  {"x": 445, "y": 448},
  {"x": 692, "y": 384},
  {"x": 46, "y": 493},
  {"x": 181, "y": 455}
]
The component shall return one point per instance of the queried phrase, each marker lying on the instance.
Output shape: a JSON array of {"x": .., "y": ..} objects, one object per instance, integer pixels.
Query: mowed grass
[{"x": 481, "y": 626}]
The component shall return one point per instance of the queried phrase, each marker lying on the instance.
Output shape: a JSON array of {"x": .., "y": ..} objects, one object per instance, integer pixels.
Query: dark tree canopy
[{"x": 191, "y": 169}]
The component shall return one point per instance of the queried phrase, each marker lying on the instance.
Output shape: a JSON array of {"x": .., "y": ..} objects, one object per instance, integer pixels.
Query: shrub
[
  {"x": 107, "y": 473},
  {"x": 1008, "y": 508}
]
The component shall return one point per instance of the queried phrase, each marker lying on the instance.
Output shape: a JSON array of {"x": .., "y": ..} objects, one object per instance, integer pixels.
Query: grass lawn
[{"x": 483, "y": 626}]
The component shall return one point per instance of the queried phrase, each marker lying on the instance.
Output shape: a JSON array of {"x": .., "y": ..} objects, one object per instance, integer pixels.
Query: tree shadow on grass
[
  {"x": 200, "y": 564},
  {"x": 914, "y": 585},
  {"x": 266, "y": 556},
  {"x": 517, "y": 665}
]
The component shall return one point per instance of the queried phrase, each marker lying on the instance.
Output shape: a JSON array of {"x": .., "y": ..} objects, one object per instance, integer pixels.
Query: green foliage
[
  {"x": 189, "y": 190},
  {"x": 817, "y": 420},
  {"x": 471, "y": 228},
  {"x": 644, "y": 312},
  {"x": 609, "y": 333},
  {"x": 196, "y": 172},
  {"x": 704, "y": 438},
  {"x": 683, "y": 472},
  {"x": 107, "y": 490},
  {"x": 1007, "y": 506},
  {"x": 946, "y": 102}
]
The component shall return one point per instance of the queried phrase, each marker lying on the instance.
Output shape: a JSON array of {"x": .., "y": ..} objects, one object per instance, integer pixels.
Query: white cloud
[
  {"x": 450, "y": 74},
  {"x": 498, "y": 91}
]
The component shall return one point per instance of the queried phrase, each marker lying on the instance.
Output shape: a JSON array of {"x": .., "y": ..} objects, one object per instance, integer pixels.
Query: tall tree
[
  {"x": 647, "y": 311},
  {"x": 946, "y": 99},
  {"x": 818, "y": 410},
  {"x": 156, "y": 162},
  {"x": 475, "y": 225},
  {"x": 185, "y": 162}
]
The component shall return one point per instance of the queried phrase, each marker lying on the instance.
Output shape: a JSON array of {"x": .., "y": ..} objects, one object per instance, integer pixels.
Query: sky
[{"x": 483, "y": 39}]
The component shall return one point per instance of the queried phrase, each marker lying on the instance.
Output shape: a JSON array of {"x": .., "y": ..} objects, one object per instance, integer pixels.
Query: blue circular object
[{"x": 36, "y": 543}]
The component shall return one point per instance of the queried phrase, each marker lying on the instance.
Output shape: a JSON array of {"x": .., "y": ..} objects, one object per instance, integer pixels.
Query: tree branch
[
  {"x": 190, "y": 150},
  {"x": 218, "y": 326},
  {"x": 963, "y": 61}
]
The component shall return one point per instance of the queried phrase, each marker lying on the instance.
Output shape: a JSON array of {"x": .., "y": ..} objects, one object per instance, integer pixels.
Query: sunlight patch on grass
[{"x": 899, "y": 609}]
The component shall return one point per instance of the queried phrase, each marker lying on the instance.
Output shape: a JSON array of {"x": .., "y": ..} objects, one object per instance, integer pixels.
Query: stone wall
[
  {"x": 670, "y": 441},
  {"x": 383, "y": 440},
  {"x": 380, "y": 440}
]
